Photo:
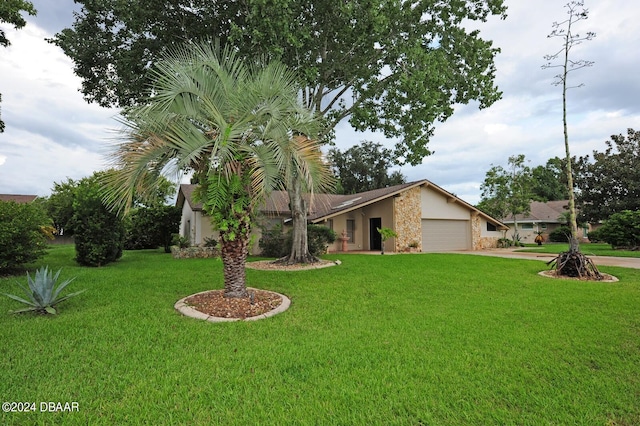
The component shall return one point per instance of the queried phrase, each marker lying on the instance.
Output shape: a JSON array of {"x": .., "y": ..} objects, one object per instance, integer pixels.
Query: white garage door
[{"x": 445, "y": 235}]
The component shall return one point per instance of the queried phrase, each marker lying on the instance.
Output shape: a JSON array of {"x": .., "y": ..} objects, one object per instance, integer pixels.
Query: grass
[
  {"x": 589, "y": 249},
  {"x": 391, "y": 340}
]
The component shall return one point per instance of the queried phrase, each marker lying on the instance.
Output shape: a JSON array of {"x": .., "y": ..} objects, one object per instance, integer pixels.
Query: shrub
[
  {"x": 180, "y": 241},
  {"x": 622, "y": 230},
  {"x": 23, "y": 234},
  {"x": 275, "y": 243},
  {"x": 560, "y": 234},
  {"x": 595, "y": 236},
  {"x": 152, "y": 227},
  {"x": 319, "y": 238},
  {"x": 42, "y": 293},
  {"x": 99, "y": 233},
  {"x": 210, "y": 242}
]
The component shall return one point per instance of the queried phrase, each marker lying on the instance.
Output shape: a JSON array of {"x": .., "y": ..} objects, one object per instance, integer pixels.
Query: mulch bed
[{"x": 215, "y": 304}]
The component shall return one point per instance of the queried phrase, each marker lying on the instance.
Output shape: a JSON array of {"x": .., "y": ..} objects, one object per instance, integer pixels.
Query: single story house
[
  {"x": 426, "y": 218},
  {"x": 543, "y": 217}
]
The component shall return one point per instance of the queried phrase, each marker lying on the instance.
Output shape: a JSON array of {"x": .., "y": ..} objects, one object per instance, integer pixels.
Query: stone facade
[
  {"x": 407, "y": 220},
  {"x": 478, "y": 242},
  {"x": 194, "y": 252}
]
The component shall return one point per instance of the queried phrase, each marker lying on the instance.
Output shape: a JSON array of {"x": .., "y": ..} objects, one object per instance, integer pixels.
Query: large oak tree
[
  {"x": 611, "y": 182},
  {"x": 387, "y": 65}
]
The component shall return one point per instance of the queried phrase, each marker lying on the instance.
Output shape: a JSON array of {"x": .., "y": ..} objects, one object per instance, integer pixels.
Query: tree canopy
[
  {"x": 363, "y": 167},
  {"x": 550, "y": 181},
  {"x": 393, "y": 66},
  {"x": 507, "y": 192},
  {"x": 611, "y": 182}
]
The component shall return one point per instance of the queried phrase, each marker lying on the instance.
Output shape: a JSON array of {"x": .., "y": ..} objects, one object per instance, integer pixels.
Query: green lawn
[
  {"x": 590, "y": 249},
  {"x": 379, "y": 340}
]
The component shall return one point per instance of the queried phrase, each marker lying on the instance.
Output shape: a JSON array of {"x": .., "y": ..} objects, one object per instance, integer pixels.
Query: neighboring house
[
  {"x": 421, "y": 213},
  {"x": 20, "y": 199},
  {"x": 543, "y": 217}
]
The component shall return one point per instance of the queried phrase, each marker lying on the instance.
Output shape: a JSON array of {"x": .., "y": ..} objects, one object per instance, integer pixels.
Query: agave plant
[{"x": 42, "y": 293}]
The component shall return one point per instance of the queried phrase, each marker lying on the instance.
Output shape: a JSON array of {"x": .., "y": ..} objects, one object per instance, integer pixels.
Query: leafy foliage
[
  {"x": 99, "y": 232},
  {"x": 60, "y": 205},
  {"x": 611, "y": 183},
  {"x": 41, "y": 292},
  {"x": 507, "y": 191},
  {"x": 151, "y": 227},
  {"x": 561, "y": 234},
  {"x": 275, "y": 243},
  {"x": 23, "y": 234},
  {"x": 550, "y": 181},
  {"x": 272, "y": 242},
  {"x": 621, "y": 230},
  {"x": 364, "y": 167},
  {"x": 397, "y": 67}
]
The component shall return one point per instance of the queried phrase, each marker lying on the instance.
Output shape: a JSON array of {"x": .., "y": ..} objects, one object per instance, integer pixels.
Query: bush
[
  {"x": 560, "y": 234},
  {"x": 319, "y": 238},
  {"x": 595, "y": 236},
  {"x": 622, "y": 230},
  {"x": 274, "y": 243},
  {"x": 99, "y": 233},
  {"x": 152, "y": 227},
  {"x": 23, "y": 234}
]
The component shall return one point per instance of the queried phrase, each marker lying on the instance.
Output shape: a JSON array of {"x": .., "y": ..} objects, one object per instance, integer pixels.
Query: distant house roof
[
  {"x": 548, "y": 212},
  {"x": 20, "y": 199}
]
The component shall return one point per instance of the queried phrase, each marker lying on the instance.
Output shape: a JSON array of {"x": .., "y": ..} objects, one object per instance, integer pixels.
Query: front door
[{"x": 375, "y": 239}]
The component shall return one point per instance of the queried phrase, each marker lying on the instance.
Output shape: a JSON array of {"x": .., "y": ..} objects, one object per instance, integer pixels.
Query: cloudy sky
[{"x": 52, "y": 133}]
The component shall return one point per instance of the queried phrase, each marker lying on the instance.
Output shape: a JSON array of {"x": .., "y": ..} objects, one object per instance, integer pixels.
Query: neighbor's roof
[
  {"x": 548, "y": 212},
  {"x": 327, "y": 206},
  {"x": 20, "y": 199}
]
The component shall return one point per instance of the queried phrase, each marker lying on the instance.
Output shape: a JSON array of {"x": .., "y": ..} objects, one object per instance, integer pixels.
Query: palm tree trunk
[{"x": 234, "y": 257}]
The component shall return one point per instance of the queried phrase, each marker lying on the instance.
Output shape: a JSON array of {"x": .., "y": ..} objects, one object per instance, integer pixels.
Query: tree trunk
[
  {"x": 234, "y": 257},
  {"x": 300, "y": 245},
  {"x": 574, "y": 244}
]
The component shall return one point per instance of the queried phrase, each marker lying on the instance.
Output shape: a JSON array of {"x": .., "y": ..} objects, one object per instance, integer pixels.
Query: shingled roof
[
  {"x": 20, "y": 199},
  {"x": 548, "y": 212}
]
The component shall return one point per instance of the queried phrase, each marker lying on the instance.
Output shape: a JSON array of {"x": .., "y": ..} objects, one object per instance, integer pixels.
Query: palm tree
[{"x": 239, "y": 127}]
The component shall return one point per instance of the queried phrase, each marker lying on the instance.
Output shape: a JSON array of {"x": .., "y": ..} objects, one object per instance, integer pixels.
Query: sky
[{"x": 53, "y": 134}]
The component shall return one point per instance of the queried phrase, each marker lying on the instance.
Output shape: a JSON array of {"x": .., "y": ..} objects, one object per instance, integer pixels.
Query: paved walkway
[{"x": 625, "y": 262}]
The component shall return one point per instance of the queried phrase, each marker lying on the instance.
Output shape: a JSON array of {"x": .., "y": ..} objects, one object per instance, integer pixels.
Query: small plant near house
[
  {"x": 504, "y": 243},
  {"x": 182, "y": 242},
  {"x": 539, "y": 238},
  {"x": 210, "y": 242},
  {"x": 41, "y": 292},
  {"x": 386, "y": 233}
]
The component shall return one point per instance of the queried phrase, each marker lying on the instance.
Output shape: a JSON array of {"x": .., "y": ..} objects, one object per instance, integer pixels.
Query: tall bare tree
[{"x": 570, "y": 263}]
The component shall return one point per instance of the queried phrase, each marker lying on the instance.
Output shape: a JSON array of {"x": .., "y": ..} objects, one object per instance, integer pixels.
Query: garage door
[{"x": 445, "y": 235}]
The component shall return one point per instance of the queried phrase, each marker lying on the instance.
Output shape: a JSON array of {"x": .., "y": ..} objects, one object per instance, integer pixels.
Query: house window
[
  {"x": 491, "y": 227},
  {"x": 528, "y": 226},
  {"x": 351, "y": 226},
  {"x": 330, "y": 224},
  {"x": 543, "y": 225}
]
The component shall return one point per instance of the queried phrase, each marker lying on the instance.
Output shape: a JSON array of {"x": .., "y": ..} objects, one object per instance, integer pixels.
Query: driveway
[{"x": 624, "y": 262}]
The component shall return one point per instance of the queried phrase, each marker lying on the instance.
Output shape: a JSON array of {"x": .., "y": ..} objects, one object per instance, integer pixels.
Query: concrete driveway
[{"x": 624, "y": 262}]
